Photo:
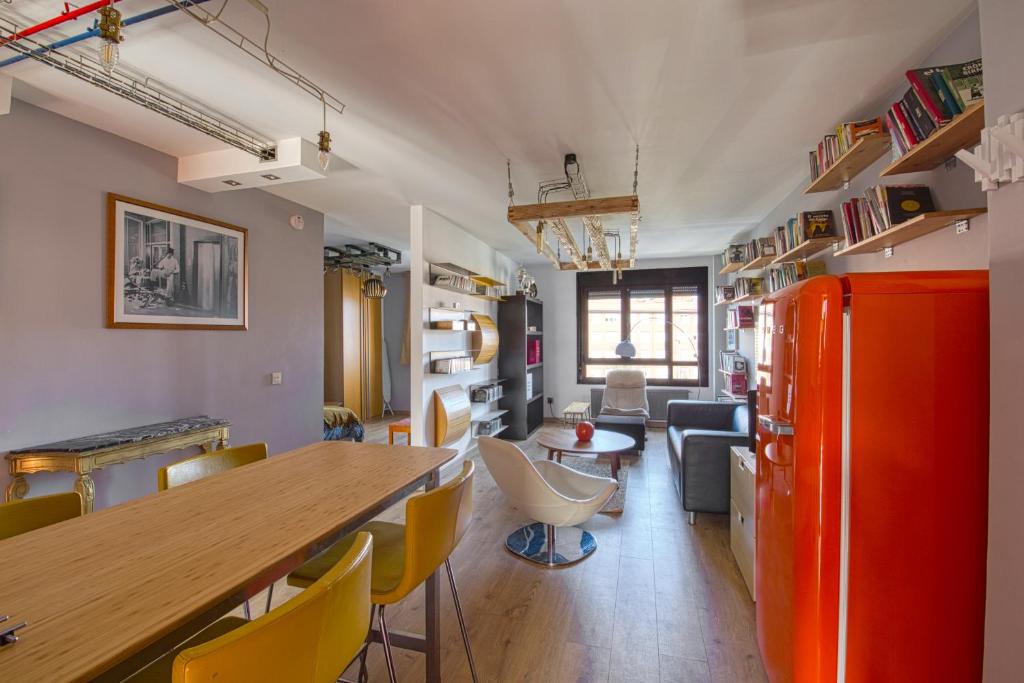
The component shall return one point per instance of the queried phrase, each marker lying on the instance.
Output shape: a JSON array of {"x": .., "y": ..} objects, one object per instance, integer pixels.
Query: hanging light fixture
[
  {"x": 374, "y": 287},
  {"x": 324, "y": 143},
  {"x": 110, "y": 37}
]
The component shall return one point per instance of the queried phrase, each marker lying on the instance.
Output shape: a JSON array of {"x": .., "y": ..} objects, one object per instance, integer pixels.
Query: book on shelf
[
  {"x": 786, "y": 274},
  {"x": 735, "y": 253},
  {"x": 533, "y": 351},
  {"x": 736, "y": 383},
  {"x": 741, "y": 317},
  {"x": 453, "y": 281},
  {"x": 882, "y": 207},
  {"x": 833, "y": 146},
  {"x": 808, "y": 225},
  {"x": 450, "y": 366},
  {"x": 761, "y": 247},
  {"x": 724, "y": 293},
  {"x": 488, "y": 427},
  {"x": 732, "y": 362},
  {"x": 529, "y": 385},
  {"x": 937, "y": 95},
  {"x": 486, "y": 394},
  {"x": 747, "y": 286}
]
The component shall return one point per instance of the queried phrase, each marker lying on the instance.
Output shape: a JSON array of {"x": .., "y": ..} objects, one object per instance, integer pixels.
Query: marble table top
[{"x": 120, "y": 437}]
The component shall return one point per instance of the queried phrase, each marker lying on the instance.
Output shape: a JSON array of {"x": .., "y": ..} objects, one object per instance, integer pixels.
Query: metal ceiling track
[
  {"x": 362, "y": 258},
  {"x": 141, "y": 91}
]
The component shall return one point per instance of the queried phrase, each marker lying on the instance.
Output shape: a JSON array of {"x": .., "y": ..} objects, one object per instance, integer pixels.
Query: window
[{"x": 662, "y": 311}]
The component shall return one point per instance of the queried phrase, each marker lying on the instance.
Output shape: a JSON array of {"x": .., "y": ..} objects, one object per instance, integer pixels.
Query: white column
[
  {"x": 6, "y": 83},
  {"x": 417, "y": 401}
]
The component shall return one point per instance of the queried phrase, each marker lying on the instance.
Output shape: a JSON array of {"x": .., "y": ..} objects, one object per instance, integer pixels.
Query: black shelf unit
[{"x": 516, "y": 314}]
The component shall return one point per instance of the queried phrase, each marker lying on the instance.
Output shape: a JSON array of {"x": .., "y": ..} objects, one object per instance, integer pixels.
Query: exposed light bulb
[
  {"x": 324, "y": 155},
  {"x": 109, "y": 54}
]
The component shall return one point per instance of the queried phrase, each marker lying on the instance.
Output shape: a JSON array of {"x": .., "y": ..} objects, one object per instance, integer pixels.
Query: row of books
[
  {"x": 740, "y": 317},
  {"x": 786, "y": 274},
  {"x": 489, "y": 427},
  {"x": 834, "y": 146},
  {"x": 752, "y": 250},
  {"x": 450, "y": 366},
  {"x": 808, "y": 225},
  {"x": 486, "y": 394},
  {"x": 936, "y": 95},
  {"x": 747, "y": 286},
  {"x": 460, "y": 282},
  {"x": 882, "y": 207}
]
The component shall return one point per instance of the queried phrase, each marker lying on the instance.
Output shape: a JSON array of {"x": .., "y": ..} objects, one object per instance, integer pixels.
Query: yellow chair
[
  {"x": 405, "y": 556},
  {"x": 309, "y": 639},
  {"x": 207, "y": 465},
  {"x": 20, "y": 516}
]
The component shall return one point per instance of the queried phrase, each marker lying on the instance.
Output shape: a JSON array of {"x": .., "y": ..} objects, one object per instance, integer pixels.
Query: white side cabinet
[{"x": 742, "y": 526}]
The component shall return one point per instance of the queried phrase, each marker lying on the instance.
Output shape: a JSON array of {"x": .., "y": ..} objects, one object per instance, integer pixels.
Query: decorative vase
[{"x": 584, "y": 431}]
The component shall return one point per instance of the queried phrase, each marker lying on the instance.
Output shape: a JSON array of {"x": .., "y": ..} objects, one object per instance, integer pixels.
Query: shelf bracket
[
  {"x": 963, "y": 225},
  {"x": 887, "y": 252}
]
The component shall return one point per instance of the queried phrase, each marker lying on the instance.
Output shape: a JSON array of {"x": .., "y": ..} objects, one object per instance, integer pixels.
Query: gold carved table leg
[
  {"x": 86, "y": 488},
  {"x": 17, "y": 489}
]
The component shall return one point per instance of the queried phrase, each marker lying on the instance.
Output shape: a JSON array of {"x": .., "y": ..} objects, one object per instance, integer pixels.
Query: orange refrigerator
[{"x": 872, "y": 478}]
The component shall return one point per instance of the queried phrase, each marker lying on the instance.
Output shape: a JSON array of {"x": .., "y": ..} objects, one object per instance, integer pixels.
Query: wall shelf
[
  {"x": 490, "y": 415},
  {"x": 451, "y": 414},
  {"x": 963, "y": 131},
  {"x": 909, "y": 230},
  {"x": 807, "y": 249},
  {"x": 487, "y": 283},
  {"x": 864, "y": 152},
  {"x": 731, "y": 268},
  {"x": 757, "y": 264}
]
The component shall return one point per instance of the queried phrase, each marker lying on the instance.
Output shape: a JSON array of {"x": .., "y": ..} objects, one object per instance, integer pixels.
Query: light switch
[{"x": 275, "y": 378}]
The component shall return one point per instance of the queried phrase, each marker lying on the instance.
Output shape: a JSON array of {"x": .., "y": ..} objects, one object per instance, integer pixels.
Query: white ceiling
[{"x": 725, "y": 97}]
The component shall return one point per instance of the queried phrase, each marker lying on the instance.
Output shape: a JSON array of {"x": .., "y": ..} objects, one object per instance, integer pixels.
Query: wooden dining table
[{"x": 106, "y": 593}]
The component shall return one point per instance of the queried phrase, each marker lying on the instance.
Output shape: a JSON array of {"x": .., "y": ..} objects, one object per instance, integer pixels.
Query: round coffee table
[{"x": 604, "y": 442}]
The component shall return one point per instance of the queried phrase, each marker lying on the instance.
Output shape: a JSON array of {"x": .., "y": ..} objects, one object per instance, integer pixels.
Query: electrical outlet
[
  {"x": 275, "y": 377},
  {"x": 550, "y": 400}
]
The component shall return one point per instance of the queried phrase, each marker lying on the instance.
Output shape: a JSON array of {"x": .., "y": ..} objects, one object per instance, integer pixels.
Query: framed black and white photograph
[{"x": 175, "y": 270}]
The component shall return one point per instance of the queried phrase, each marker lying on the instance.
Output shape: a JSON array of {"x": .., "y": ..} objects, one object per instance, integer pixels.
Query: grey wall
[
  {"x": 63, "y": 374},
  {"x": 952, "y": 189},
  {"x": 395, "y": 318},
  {"x": 1001, "y": 24}
]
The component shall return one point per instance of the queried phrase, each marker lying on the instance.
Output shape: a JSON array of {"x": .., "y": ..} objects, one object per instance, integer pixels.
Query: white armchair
[{"x": 552, "y": 494}]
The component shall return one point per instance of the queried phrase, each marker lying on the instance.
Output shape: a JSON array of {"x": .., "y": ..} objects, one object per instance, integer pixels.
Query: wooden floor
[{"x": 658, "y": 601}]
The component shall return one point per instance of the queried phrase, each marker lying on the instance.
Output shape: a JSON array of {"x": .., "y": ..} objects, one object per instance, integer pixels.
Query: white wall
[
  {"x": 435, "y": 239},
  {"x": 1001, "y": 24},
  {"x": 557, "y": 289}
]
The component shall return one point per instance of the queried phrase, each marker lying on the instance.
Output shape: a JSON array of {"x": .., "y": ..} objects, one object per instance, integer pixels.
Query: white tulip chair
[{"x": 551, "y": 493}]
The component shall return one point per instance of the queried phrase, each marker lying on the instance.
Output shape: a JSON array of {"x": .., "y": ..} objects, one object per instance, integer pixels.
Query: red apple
[{"x": 584, "y": 431}]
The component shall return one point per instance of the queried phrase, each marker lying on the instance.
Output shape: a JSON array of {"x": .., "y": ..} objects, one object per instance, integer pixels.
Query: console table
[{"x": 84, "y": 454}]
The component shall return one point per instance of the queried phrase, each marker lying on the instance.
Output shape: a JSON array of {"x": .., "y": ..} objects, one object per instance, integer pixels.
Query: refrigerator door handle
[{"x": 775, "y": 425}]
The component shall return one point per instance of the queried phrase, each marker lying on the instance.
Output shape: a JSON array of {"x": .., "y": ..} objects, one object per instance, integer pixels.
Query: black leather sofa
[{"x": 700, "y": 434}]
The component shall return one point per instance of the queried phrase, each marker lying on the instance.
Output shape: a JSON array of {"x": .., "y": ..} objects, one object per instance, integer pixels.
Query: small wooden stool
[{"x": 403, "y": 426}]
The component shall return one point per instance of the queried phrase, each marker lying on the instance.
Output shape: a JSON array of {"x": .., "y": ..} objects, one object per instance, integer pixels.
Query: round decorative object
[
  {"x": 584, "y": 431},
  {"x": 374, "y": 288}
]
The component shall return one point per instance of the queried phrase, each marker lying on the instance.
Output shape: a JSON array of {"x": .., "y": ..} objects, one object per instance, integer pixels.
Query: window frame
[{"x": 654, "y": 278}]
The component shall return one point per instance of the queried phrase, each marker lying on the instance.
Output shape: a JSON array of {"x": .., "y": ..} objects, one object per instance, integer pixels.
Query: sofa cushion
[{"x": 675, "y": 441}]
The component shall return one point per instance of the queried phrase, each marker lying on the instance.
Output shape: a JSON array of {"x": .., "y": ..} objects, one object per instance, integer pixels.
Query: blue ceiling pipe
[{"x": 137, "y": 19}]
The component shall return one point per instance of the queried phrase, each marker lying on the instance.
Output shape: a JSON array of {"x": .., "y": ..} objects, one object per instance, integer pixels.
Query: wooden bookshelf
[
  {"x": 909, "y": 230},
  {"x": 807, "y": 249},
  {"x": 758, "y": 263},
  {"x": 730, "y": 268},
  {"x": 864, "y": 152},
  {"x": 963, "y": 131}
]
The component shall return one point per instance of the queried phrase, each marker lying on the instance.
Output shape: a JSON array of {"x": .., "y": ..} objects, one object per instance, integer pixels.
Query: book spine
[
  {"x": 924, "y": 94},
  {"x": 908, "y": 133}
]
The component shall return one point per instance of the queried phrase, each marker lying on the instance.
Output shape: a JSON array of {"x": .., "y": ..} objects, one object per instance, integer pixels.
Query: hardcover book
[
  {"x": 903, "y": 202},
  {"x": 817, "y": 224},
  {"x": 920, "y": 80},
  {"x": 922, "y": 122},
  {"x": 966, "y": 82}
]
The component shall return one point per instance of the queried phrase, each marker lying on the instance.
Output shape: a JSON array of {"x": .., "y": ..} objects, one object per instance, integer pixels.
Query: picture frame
[
  {"x": 732, "y": 340},
  {"x": 170, "y": 269}
]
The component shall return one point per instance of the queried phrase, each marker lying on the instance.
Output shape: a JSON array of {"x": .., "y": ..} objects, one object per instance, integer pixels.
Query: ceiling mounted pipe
[
  {"x": 56, "y": 21},
  {"x": 93, "y": 32}
]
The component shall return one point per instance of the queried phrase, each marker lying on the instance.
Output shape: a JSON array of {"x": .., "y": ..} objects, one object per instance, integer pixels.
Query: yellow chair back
[
  {"x": 435, "y": 522},
  {"x": 310, "y": 638},
  {"x": 20, "y": 516},
  {"x": 208, "y": 464}
]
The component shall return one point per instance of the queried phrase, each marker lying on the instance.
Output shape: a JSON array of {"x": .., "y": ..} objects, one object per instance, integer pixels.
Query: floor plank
[{"x": 658, "y": 601}]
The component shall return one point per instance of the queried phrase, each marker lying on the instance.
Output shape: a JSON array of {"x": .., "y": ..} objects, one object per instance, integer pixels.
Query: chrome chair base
[{"x": 537, "y": 543}]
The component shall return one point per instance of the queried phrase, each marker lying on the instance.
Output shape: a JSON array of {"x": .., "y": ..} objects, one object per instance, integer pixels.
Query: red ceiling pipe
[{"x": 59, "y": 19}]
